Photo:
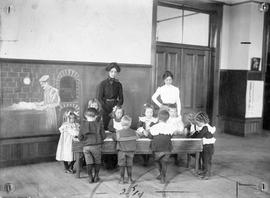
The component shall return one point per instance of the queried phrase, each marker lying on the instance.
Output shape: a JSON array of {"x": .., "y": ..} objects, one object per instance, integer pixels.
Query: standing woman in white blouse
[{"x": 169, "y": 94}]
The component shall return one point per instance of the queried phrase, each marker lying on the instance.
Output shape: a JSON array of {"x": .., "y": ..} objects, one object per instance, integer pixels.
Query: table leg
[
  {"x": 197, "y": 161},
  {"x": 78, "y": 164},
  {"x": 188, "y": 160}
]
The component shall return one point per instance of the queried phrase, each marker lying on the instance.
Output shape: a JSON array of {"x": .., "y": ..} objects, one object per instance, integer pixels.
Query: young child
[
  {"x": 126, "y": 147},
  {"x": 189, "y": 123},
  {"x": 161, "y": 143},
  {"x": 94, "y": 103},
  {"x": 110, "y": 160},
  {"x": 145, "y": 122},
  {"x": 175, "y": 121},
  {"x": 115, "y": 122},
  {"x": 205, "y": 131},
  {"x": 92, "y": 135},
  {"x": 68, "y": 131}
]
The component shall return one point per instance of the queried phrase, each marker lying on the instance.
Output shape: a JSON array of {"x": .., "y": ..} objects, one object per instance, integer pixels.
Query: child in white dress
[
  {"x": 146, "y": 121},
  {"x": 69, "y": 131},
  {"x": 175, "y": 121}
]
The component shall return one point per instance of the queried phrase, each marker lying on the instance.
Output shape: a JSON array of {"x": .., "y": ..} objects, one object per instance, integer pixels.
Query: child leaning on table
[
  {"x": 126, "y": 147},
  {"x": 189, "y": 123},
  {"x": 92, "y": 135},
  {"x": 146, "y": 121},
  {"x": 69, "y": 130},
  {"x": 110, "y": 160},
  {"x": 205, "y": 131},
  {"x": 175, "y": 120},
  {"x": 161, "y": 144},
  {"x": 115, "y": 122}
]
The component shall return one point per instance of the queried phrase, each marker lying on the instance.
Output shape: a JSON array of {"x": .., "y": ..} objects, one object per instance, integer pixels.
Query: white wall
[
  {"x": 77, "y": 30},
  {"x": 241, "y": 23}
]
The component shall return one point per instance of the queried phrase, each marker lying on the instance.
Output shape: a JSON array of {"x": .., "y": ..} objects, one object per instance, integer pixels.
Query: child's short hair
[
  {"x": 90, "y": 112},
  {"x": 115, "y": 109},
  {"x": 92, "y": 101},
  {"x": 147, "y": 106},
  {"x": 126, "y": 121},
  {"x": 202, "y": 117},
  {"x": 163, "y": 115},
  {"x": 189, "y": 117}
]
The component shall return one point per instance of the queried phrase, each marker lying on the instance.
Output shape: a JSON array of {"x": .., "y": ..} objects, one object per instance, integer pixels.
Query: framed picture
[{"x": 255, "y": 64}]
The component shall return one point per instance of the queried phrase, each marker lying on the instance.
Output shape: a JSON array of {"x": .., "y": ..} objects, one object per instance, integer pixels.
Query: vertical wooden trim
[
  {"x": 265, "y": 46},
  {"x": 153, "y": 47},
  {"x": 216, "y": 76},
  {"x": 265, "y": 51}
]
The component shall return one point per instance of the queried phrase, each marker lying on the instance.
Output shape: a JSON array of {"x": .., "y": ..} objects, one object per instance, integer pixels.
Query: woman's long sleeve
[{"x": 155, "y": 96}]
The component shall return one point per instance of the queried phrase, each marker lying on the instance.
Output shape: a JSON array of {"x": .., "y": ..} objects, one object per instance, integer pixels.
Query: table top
[{"x": 179, "y": 144}]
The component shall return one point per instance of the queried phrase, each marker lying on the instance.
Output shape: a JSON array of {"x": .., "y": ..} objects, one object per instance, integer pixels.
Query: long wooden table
[{"x": 179, "y": 145}]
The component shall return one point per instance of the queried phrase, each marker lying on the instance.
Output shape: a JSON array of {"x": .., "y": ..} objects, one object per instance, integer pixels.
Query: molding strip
[{"x": 59, "y": 62}]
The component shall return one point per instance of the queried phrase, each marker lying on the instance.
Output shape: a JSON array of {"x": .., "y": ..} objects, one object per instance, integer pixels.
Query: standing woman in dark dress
[{"x": 110, "y": 92}]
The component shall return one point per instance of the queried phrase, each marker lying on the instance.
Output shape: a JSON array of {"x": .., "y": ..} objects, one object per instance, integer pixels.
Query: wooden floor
[
  {"x": 231, "y": 163},
  {"x": 49, "y": 180}
]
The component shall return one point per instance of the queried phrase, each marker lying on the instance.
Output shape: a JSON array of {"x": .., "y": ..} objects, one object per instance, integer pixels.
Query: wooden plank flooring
[{"x": 49, "y": 180}]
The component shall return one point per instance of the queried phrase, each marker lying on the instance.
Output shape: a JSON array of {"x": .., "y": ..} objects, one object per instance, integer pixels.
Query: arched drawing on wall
[{"x": 69, "y": 84}]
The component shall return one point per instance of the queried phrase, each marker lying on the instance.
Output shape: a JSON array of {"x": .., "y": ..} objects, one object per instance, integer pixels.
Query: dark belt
[
  {"x": 171, "y": 105},
  {"x": 111, "y": 100}
]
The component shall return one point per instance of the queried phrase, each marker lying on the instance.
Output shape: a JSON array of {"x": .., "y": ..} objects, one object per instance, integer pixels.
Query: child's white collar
[{"x": 144, "y": 119}]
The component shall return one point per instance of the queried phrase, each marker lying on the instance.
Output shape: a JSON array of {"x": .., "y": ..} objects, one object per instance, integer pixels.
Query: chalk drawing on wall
[
  {"x": 69, "y": 84},
  {"x": 51, "y": 100}
]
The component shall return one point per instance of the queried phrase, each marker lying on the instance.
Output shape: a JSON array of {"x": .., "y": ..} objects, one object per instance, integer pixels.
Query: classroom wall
[
  {"x": 241, "y": 23},
  {"x": 77, "y": 30},
  {"x": 76, "y": 38},
  {"x": 241, "y": 40}
]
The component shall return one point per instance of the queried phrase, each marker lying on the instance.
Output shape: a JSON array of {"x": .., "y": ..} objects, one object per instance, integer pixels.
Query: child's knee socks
[{"x": 89, "y": 172}]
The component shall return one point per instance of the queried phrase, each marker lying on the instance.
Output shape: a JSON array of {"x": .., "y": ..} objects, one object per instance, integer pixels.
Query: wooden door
[
  {"x": 190, "y": 68},
  {"x": 168, "y": 58},
  {"x": 194, "y": 80}
]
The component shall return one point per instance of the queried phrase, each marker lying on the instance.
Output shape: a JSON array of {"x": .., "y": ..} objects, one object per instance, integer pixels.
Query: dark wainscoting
[
  {"x": 232, "y": 103},
  {"x": 19, "y": 151},
  {"x": 20, "y": 146}
]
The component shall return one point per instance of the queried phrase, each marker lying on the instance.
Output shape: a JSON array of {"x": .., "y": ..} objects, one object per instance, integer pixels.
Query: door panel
[
  {"x": 160, "y": 63},
  {"x": 186, "y": 89},
  {"x": 167, "y": 59},
  {"x": 201, "y": 82},
  {"x": 198, "y": 73}
]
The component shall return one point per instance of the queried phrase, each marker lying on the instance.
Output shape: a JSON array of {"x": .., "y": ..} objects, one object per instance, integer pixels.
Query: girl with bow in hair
[{"x": 69, "y": 131}]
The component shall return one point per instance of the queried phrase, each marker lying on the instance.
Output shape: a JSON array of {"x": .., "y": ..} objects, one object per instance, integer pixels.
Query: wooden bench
[{"x": 179, "y": 145}]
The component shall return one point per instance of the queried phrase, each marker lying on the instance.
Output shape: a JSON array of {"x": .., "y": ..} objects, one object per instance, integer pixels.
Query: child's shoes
[
  {"x": 130, "y": 181},
  {"x": 96, "y": 179},
  {"x": 205, "y": 177},
  {"x": 69, "y": 171},
  {"x": 158, "y": 177},
  {"x": 121, "y": 181},
  {"x": 162, "y": 180}
]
